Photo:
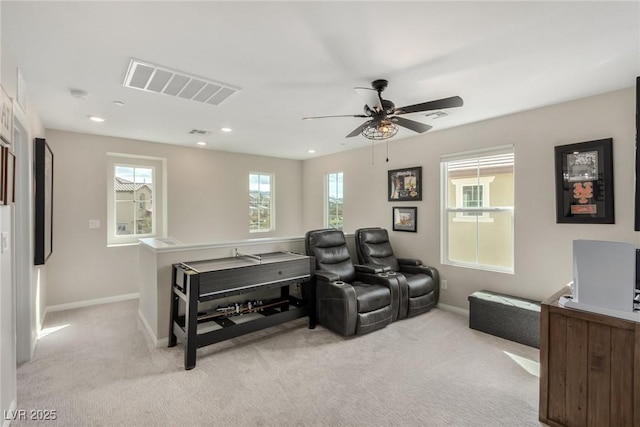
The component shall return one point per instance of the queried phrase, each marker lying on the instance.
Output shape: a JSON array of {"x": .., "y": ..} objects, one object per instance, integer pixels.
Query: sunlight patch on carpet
[
  {"x": 531, "y": 366},
  {"x": 47, "y": 331}
]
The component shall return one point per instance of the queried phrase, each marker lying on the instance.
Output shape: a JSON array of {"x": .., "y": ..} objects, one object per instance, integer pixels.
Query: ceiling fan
[{"x": 383, "y": 114}]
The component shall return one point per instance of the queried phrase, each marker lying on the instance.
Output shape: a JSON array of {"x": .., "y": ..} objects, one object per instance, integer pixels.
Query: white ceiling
[{"x": 295, "y": 59}]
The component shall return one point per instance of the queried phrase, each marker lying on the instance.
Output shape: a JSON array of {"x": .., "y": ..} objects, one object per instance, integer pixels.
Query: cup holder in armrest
[
  {"x": 387, "y": 274},
  {"x": 338, "y": 282}
]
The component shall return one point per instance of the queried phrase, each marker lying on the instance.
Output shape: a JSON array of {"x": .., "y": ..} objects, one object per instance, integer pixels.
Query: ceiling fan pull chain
[
  {"x": 372, "y": 157},
  {"x": 387, "y": 151}
]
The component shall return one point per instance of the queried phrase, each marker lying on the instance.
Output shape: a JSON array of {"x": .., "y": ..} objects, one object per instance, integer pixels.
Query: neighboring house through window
[
  {"x": 477, "y": 209},
  {"x": 135, "y": 191},
  {"x": 334, "y": 201},
  {"x": 261, "y": 202},
  {"x": 473, "y": 193}
]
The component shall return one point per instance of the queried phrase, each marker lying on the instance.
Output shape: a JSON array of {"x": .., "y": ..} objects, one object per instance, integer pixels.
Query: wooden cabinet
[{"x": 589, "y": 368}]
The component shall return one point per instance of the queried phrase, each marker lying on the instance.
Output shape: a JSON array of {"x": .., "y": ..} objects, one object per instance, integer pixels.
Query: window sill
[
  {"x": 117, "y": 245},
  {"x": 482, "y": 267}
]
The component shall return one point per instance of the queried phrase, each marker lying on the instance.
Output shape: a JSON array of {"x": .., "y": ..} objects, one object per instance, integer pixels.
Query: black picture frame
[
  {"x": 43, "y": 183},
  {"x": 584, "y": 182},
  {"x": 3, "y": 173},
  {"x": 636, "y": 226},
  {"x": 405, "y": 184},
  {"x": 8, "y": 178},
  {"x": 405, "y": 218}
]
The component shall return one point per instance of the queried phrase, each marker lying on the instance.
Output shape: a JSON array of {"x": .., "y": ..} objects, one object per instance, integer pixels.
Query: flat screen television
[{"x": 597, "y": 262}]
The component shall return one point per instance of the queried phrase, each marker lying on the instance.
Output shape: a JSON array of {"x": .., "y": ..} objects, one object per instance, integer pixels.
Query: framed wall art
[
  {"x": 10, "y": 183},
  {"x": 637, "y": 177},
  {"x": 7, "y": 177},
  {"x": 405, "y": 184},
  {"x": 43, "y": 177},
  {"x": 584, "y": 182},
  {"x": 405, "y": 218},
  {"x": 4, "y": 150}
]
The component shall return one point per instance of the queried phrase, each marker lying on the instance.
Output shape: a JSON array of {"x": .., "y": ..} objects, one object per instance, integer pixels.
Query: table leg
[
  {"x": 172, "y": 317},
  {"x": 284, "y": 296},
  {"x": 311, "y": 300},
  {"x": 191, "y": 323}
]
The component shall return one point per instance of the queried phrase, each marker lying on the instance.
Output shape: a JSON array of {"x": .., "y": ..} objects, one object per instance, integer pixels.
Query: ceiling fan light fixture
[{"x": 383, "y": 129}]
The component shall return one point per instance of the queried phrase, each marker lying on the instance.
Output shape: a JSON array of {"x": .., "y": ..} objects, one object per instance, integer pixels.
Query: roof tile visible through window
[{"x": 125, "y": 185}]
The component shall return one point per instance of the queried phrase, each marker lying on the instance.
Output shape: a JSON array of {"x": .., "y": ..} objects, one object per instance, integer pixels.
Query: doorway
[{"x": 27, "y": 312}]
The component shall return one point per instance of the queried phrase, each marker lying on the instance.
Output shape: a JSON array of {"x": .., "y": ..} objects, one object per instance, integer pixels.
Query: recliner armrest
[
  {"x": 371, "y": 268},
  {"x": 336, "y": 305},
  {"x": 409, "y": 261},
  {"x": 326, "y": 276},
  {"x": 424, "y": 269}
]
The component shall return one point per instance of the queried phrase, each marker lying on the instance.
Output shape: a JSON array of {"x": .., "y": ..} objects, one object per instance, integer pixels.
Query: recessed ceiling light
[
  {"x": 225, "y": 129},
  {"x": 201, "y": 143},
  {"x": 312, "y": 151},
  {"x": 118, "y": 103},
  {"x": 96, "y": 118}
]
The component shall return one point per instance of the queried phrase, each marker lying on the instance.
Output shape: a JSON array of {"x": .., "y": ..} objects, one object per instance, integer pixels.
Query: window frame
[
  {"x": 158, "y": 204},
  {"x": 483, "y": 211},
  {"x": 327, "y": 193},
  {"x": 272, "y": 202}
]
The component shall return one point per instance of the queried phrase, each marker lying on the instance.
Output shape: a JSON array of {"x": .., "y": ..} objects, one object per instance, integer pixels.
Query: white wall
[
  {"x": 543, "y": 251},
  {"x": 21, "y": 305},
  {"x": 207, "y": 195}
]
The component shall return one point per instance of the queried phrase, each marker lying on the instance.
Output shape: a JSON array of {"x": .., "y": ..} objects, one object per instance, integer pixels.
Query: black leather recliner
[
  {"x": 419, "y": 285},
  {"x": 350, "y": 299}
]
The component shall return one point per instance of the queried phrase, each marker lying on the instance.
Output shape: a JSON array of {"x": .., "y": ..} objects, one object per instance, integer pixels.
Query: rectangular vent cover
[
  {"x": 154, "y": 78},
  {"x": 436, "y": 115}
]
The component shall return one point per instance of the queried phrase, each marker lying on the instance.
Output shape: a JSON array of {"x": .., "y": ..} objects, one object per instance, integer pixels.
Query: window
[
  {"x": 473, "y": 193},
  {"x": 261, "y": 202},
  {"x": 334, "y": 201},
  {"x": 477, "y": 209},
  {"x": 134, "y": 188}
]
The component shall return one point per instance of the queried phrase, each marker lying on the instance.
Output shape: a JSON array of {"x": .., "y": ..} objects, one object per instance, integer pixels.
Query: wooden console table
[{"x": 589, "y": 368}]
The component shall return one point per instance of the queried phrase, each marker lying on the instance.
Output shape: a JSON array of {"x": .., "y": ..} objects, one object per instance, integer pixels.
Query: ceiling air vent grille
[{"x": 154, "y": 78}]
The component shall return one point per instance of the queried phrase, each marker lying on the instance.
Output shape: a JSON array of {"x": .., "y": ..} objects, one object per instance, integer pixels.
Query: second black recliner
[{"x": 419, "y": 285}]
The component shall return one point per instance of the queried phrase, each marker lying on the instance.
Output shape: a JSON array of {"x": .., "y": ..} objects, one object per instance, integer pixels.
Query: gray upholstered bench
[{"x": 513, "y": 318}]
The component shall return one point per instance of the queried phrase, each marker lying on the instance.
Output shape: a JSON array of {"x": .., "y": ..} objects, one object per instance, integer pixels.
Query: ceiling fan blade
[
  {"x": 328, "y": 117},
  {"x": 357, "y": 131},
  {"x": 371, "y": 97},
  {"x": 454, "y": 101},
  {"x": 411, "y": 124}
]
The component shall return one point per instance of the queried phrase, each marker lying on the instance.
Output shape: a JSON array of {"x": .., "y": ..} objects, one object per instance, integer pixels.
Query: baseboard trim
[
  {"x": 12, "y": 410},
  {"x": 156, "y": 342},
  {"x": 88, "y": 303},
  {"x": 147, "y": 327},
  {"x": 453, "y": 309}
]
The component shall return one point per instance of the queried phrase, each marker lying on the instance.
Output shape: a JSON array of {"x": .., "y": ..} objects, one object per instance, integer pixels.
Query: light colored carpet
[{"x": 96, "y": 367}]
